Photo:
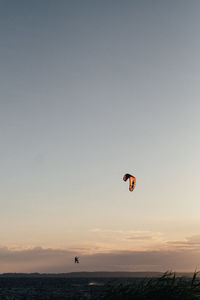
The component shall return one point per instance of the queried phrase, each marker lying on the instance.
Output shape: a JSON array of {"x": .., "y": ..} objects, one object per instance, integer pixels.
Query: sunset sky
[{"x": 91, "y": 90}]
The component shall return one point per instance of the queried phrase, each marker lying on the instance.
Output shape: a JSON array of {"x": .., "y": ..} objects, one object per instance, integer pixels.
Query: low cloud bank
[{"x": 58, "y": 261}]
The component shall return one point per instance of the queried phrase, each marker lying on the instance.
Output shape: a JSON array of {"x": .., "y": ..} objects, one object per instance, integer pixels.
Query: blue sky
[{"x": 91, "y": 90}]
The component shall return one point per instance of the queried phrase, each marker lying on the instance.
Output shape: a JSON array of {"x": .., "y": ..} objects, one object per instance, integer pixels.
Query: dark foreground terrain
[
  {"x": 58, "y": 287},
  {"x": 49, "y": 288}
]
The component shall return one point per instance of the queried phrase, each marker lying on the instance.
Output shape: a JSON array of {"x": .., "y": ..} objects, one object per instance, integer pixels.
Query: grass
[{"x": 167, "y": 287}]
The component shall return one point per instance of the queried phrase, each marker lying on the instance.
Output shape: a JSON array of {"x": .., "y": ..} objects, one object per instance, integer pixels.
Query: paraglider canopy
[{"x": 132, "y": 181}]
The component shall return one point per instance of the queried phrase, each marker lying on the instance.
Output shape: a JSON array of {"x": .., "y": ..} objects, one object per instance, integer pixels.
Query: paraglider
[
  {"x": 76, "y": 260},
  {"x": 132, "y": 181}
]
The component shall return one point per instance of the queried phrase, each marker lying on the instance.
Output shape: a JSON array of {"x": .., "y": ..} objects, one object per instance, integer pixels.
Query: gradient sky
[{"x": 90, "y": 90}]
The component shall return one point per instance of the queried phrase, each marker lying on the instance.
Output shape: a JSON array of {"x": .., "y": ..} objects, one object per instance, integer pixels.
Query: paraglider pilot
[{"x": 76, "y": 260}]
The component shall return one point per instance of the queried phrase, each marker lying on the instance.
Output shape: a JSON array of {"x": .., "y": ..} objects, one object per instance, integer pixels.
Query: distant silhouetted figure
[{"x": 76, "y": 260}]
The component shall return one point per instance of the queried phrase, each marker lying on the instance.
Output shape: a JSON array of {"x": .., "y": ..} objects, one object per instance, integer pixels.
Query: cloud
[
  {"x": 35, "y": 259},
  {"x": 144, "y": 240},
  {"x": 49, "y": 260},
  {"x": 192, "y": 242},
  {"x": 128, "y": 235},
  {"x": 140, "y": 237},
  {"x": 120, "y": 231},
  {"x": 118, "y": 250}
]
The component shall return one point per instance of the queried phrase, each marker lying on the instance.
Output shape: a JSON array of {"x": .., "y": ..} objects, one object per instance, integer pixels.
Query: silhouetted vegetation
[{"x": 166, "y": 287}]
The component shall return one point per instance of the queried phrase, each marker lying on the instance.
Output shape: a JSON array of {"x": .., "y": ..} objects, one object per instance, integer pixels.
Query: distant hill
[{"x": 94, "y": 274}]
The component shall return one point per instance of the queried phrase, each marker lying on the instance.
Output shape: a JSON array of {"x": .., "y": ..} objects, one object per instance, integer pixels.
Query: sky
[{"x": 91, "y": 90}]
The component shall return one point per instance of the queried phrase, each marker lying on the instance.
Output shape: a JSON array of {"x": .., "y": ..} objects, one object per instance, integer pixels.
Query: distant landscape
[{"x": 96, "y": 274}]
